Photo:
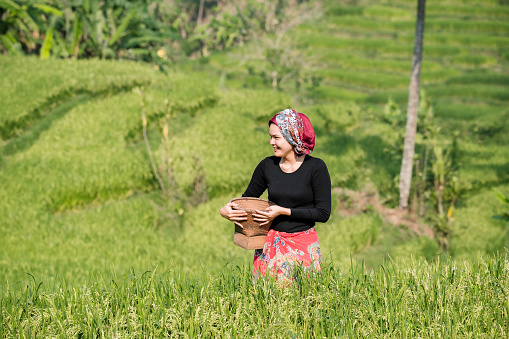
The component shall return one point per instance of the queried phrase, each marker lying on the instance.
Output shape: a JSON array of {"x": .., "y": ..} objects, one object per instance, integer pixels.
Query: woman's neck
[{"x": 291, "y": 159}]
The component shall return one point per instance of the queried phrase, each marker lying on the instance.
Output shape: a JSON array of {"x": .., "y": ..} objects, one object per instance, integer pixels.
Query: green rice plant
[
  {"x": 466, "y": 91},
  {"x": 466, "y": 112},
  {"x": 399, "y": 96},
  {"x": 432, "y": 25},
  {"x": 496, "y": 94},
  {"x": 468, "y": 10},
  {"x": 487, "y": 2},
  {"x": 249, "y": 109},
  {"x": 337, "y": 92},
  {"x": 466, "y": 235},
  {"x": 474, "y": 60},
  {"x": 78, "y": 196},
  {"x": 483, "y": 165},
  {"x": 387, "y": 13},
  {"x": 339, "y": 59},
  {"x": 370, "y": 24},
  {"x": 487, "y": 41},
  {"x": 365, "y": 79},
  {"x": 448, "y": 298},
  {"x": 31, "y": 87},
  {"x": 377, "y": 47},
  {"x": 472, "y": 26},
  {"x": 329, "y": 41},
  {"x": 340, "y": 10},
  {"x": 480, "y": 78},
  {"x": 438, "y": 76},
  {"x": 109, "y": 167}
]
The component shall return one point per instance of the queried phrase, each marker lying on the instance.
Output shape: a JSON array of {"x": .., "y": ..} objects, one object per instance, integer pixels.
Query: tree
[
  {"x": 279, "y": 61},
  {"x": 405, "y": 178}
]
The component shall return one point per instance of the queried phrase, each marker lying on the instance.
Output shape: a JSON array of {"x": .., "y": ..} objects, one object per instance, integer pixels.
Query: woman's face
[{"x": 282, "y": 148}]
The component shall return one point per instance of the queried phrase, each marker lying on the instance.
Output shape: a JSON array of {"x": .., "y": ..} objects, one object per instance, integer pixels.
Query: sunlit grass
[
  {"x": 413, "y": 299},
  {"x": 25, "y": 99},
  {"x": 79, "y": 206}
]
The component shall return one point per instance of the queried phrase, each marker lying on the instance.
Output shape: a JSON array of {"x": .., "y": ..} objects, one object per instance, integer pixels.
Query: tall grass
[
  {"x": 415, "y": 299},
  {"x": 341, "y": 59},
  {"x": 375, "y": 80},
  {"x": 467, "y": 112},
  {"x": 486, "y": 93},
  {"x": 26, "y": 99},
  {"x": 457, "y": 38},
  {"x": 79, "y": 205},
  {"x": 467, "y": 10},
  {"x": 432, "y": 25}
]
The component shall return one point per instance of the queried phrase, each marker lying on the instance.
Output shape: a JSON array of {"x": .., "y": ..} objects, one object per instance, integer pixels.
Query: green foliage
[
  {"x": 404, "y": 300},
  {"x": 469, "y": 229},
  {"x": 366, "y": 80},
  {"x": 466, "y": 10},
  {"x": 505, "y": 214},
  {"x": 159, "y": 32},
  {"x": 27, "y": 98},
  {"x": 79, "y": 199},
  {"x": 432, "y": 24}
]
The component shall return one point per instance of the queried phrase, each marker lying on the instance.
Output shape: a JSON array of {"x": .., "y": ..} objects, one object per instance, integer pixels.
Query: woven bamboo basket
[{"x": 252, "y": 235}]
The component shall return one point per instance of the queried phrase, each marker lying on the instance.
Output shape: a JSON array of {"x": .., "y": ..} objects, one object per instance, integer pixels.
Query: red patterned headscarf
[{"x": 296, "y": 129}]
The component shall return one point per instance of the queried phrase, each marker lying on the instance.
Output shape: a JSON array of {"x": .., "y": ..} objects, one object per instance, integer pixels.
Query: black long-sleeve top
[{"x": 307, "y": 192}]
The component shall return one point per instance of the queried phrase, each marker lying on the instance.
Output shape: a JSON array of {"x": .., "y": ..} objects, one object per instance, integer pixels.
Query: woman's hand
[
  {"x": 269, "y": 214},
  {"x": 231, "y": 214}
]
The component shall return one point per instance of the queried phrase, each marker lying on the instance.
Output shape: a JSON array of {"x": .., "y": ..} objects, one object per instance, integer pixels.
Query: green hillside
[
  {"x": 80, "y": 204},
  {"x": 79, "y": 195}
]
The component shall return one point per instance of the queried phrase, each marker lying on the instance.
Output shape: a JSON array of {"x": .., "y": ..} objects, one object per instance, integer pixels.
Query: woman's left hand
[{"x": 269, "y": 214}]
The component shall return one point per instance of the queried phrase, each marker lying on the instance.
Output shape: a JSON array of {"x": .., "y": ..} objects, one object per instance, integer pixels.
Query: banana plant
[
  {"x": 79, "y": 28},
  {"x": 22, "y": 23},
  {"x": 505, "y": 200}
]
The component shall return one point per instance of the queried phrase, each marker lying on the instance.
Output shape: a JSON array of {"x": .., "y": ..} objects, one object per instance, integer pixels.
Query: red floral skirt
[{"x": 282, "y": 251}]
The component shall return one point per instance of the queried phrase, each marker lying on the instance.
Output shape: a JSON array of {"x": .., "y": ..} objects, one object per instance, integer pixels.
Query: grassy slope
[
  {"x": 74, "y": 194},
  {"x": 363, "y": 52},
  {"x": 79, "y": 203}
]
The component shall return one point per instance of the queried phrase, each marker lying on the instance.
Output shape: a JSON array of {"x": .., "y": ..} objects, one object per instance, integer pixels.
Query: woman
[{"x": 300, "y": 186}]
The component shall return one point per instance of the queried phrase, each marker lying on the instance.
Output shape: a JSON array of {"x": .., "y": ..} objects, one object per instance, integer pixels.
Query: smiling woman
[{"x": 300, "y": 186}]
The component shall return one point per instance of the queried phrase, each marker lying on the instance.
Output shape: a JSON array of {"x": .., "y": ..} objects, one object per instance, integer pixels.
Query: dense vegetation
[
  {"x": 82, "y": 217},
  {"x": 416, "y": 299},
  {"x": 161, "y": 32}
]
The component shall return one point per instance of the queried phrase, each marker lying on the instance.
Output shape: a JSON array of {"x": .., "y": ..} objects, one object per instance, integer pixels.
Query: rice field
[
  {"x": 416, "y": 299},
  {"x": 89, "y": 248}
]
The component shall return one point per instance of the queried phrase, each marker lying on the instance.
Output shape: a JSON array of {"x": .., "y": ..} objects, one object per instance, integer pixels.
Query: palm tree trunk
[
  {"x": 405, "y": 178},
  {"x": 200, "y": 12}
]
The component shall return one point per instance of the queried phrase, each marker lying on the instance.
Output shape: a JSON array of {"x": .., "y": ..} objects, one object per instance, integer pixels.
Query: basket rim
[{"x": 250, "y": 198}]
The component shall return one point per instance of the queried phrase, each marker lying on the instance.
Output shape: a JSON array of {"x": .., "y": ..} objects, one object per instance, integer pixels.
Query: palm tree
[{"x": 405, "y": 178}]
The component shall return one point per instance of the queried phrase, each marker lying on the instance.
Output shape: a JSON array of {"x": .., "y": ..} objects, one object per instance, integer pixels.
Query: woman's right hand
[{"x": 234, "y": 215}]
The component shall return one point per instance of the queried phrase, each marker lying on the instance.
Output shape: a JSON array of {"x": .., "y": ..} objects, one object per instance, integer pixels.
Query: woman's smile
[{"x": 282, "y": 148}]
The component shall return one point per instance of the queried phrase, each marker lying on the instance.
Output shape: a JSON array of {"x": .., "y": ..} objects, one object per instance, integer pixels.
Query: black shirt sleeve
[
  {"x": 321, "y": 185},
  {"x": 258, "y": 183}
]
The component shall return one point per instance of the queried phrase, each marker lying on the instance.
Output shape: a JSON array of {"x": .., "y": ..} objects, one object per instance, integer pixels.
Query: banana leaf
[
  {"x": 501, "y": 197},
  {"x": 59, "y": 47},
  {"x": 49, "y": 9},
  {"x": 46, "y": 46},
  {"x": 9, "y": 5},
  {"x": 11, "y": 45},
  {"x": 77, "y": 32},
  {"x": 122, "y": 28}
]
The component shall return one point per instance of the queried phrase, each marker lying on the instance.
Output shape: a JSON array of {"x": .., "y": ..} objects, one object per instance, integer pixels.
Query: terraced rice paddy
[{"x": 89, "y": 248}]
